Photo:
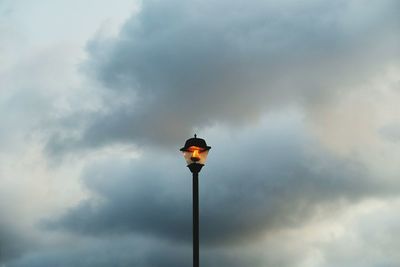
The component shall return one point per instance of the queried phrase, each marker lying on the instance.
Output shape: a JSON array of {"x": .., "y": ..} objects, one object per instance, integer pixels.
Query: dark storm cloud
[
  {"x": 122, "y": 252},
  {"x": 269, "y": 180},
  {"x": 130, "y": 251},
  {"x": 185, "y": 64},
  {"x": 12, "y": 242}
]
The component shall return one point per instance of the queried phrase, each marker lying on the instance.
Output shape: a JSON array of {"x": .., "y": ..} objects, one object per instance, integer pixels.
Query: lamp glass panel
[{"x": 194, "y": 155}]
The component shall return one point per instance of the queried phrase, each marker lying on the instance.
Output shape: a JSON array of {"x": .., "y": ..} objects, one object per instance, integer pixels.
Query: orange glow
[
  {"x": 194, "y": 148},
  {"x": 195, "y": 155}
]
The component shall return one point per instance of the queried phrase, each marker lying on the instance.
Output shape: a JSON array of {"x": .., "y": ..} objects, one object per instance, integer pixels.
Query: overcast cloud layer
[
  {"x": 183, "y": 64},
  {"x": 298, "y": 99}
]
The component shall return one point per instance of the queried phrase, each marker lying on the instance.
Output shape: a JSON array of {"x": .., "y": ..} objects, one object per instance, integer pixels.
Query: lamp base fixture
[{"x": 195, "y": 167}]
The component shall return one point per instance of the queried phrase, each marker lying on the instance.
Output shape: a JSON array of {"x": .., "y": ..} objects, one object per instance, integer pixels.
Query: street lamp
[{"x": 195, "y": 153}]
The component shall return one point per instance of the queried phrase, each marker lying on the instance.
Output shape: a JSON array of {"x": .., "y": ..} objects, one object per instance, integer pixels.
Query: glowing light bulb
[{"x": 195, "y": 156}]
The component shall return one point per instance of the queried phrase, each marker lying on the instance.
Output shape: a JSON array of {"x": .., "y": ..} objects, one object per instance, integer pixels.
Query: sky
[{"x": 297, "y": 98}]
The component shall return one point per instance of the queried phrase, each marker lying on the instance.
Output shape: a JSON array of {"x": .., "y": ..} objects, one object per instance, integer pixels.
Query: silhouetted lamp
[{"x": 195, "y": 153}]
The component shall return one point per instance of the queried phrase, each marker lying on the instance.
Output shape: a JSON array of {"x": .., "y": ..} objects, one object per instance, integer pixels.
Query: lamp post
[{"x": 195, "y": 153}]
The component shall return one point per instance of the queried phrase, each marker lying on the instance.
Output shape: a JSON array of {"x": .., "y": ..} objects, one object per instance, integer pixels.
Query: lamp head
[{"x": 195, "y": 151}]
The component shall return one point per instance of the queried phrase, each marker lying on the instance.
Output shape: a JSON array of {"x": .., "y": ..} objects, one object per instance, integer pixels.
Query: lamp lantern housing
[{"x": 195, "y": 151}]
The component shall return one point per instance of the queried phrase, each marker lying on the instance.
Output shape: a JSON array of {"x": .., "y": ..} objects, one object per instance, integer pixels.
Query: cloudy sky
[{"x": 299, "y": 100}]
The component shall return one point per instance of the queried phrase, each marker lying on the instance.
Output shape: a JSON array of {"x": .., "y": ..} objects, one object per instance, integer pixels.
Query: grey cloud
[
  {"x": 12, "y": 242},
  {"x": 185, "y": 64},
  {"x": 126, "y": 251},
  {"x": 122, "y": 252},
  {"x": 391, "y": 132},
  {"x": 371, "y": 239},
  {"x": 271, "y": 179},
  {"x": 191, "y": 64}
]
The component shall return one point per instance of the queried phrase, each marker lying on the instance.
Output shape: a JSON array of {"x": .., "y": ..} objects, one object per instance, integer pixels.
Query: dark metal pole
[
  {"x": 193, "y": 148},
  {"x": 195, "y": 169},
  {"x": 195, "y": 219}
]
